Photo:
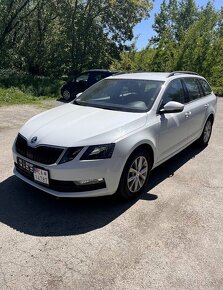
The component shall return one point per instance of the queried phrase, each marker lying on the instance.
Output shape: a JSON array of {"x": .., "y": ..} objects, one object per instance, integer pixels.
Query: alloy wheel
[
  {"x": 207, "y": 131},
  {"x": 66, "y": 95},
  {"x": 137, "y": 174}
]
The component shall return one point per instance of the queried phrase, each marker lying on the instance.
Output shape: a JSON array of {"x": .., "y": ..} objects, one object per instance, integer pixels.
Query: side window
[
  {"x": 174, "y": 92},
  {"x": 82, "y": 78},
  {"x": 192, "y": 88},
  {"x": 97, "y": 77},
  {"x": 94, "y": 77},
  {"x": 205, "y": 86}
]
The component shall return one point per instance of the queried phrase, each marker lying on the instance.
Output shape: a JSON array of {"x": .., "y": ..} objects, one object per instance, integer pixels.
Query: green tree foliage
[
  {"x": 187, "y": 14},
  {"x": 196, "y": 47},
  {"x": 187, "y": 37},
  {"x": 52, "y": 37}
]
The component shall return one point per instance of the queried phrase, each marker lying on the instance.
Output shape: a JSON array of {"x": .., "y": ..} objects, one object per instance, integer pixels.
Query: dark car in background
[{"x": 83, "y": 81}]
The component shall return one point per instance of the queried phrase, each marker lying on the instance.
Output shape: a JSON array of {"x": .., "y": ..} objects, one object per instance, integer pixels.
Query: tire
[
  {"x": 134, "y": 180},
  {"x": 206, "y": 134},
  {"x": 66, "y": 95}
]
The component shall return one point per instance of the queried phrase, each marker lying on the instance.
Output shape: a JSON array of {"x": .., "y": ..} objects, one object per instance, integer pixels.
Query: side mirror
[
  {"x": 78, "y": 95},
  {"x": 172, "y": 107}
]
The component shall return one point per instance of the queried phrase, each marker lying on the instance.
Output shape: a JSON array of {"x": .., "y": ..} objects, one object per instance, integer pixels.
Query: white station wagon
[{"x": 109, "y": 139}]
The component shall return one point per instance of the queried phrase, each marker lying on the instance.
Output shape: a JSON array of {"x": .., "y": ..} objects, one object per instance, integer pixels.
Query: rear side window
[
  {"x": 96, "y": 77},
  {"x": 205, "y": 87},
  {"x": 174, "y": 92},
  {"x": 192, "y": 88}
]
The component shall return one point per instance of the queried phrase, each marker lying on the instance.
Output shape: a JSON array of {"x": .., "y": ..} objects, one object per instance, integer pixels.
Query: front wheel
[
  {"x": 135, "y": 175},
  {"x": 206, "y": 134}
]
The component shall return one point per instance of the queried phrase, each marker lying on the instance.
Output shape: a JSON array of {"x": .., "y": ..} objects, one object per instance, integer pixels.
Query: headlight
[
  {"x": 98, "y": 152},
  {"x": 70, "y": 154}
]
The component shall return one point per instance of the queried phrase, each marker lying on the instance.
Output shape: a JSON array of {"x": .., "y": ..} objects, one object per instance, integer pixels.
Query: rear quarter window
[{"x": 205, "y": 87}]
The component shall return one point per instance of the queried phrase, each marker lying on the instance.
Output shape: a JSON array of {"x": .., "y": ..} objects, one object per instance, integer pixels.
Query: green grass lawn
[
  {"x": 13, "y": 96},
  {"x": 17, "y": 87}
]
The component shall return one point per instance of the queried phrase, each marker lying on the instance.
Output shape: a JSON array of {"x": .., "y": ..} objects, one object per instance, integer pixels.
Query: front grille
[
  {"x": 42, "y": 154},
  {"x": 63, "y": 186}
]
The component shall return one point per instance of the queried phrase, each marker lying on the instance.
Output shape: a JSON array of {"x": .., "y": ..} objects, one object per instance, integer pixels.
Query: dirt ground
[{"x": 170, "y": 238}]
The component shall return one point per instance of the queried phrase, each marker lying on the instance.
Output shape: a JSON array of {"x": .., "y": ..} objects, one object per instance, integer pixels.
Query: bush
[
  {"x": 30, "y": 85},
  {"x": 218, "y": 91},
  {"x": 14, "y": 96}
]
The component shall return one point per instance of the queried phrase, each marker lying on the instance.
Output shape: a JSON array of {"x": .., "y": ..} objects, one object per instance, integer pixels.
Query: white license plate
[{"x": 41, "y": 175}]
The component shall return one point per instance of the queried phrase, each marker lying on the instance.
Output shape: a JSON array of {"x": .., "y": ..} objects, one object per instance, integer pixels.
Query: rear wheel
[
  {"x": 135, "y": 175},
  {"x": 206, "y": 134},
  {"x": 66, "y": 95}
]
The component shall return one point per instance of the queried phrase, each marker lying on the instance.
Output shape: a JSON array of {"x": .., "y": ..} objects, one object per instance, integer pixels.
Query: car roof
[
  {"x": 98, "y": 70},
  {"x": 141, "y": 76},
  {"x": 158, "y": 76}
]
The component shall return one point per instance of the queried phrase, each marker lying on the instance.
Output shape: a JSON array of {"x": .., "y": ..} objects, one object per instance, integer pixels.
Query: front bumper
[
  {"x": 62, "y": 177},
  {"x": 92, "y": 193}
]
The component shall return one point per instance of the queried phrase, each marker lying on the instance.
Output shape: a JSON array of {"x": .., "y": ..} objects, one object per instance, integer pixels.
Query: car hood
[{"x": 72, "y": 125}]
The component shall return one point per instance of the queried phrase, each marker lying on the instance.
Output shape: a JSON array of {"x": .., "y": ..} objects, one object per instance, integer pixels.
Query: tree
[
  {"x": 160, "y": 25},
  {"x": 173, "y": 20},
  {"x": 196, "y": 48},
  {"x": 12, "y": 13},
  {"x": 187, "y": 38},
  {"x": 187, "y": 14},
  {"x": 97, "y": 30},
  {"x": 52, "y": 37}
]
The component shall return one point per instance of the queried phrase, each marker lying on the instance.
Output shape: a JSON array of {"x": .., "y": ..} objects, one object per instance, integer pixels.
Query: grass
[
  {"x": 18, "y": 87},
  {"x": 30, "y": 85},
  {"x": 13, "y": 96}
]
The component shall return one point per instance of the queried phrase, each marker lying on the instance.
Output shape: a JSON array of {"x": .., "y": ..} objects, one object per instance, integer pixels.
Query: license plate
[
  {"x": 39, "y": 175},
  {"x": 26, "y": 166}
]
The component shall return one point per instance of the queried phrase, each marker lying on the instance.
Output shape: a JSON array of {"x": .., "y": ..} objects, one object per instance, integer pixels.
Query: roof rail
[{"x": 182, "y": 72}]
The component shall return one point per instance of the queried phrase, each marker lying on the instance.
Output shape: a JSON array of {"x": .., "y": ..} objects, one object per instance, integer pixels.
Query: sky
[{"x": 144, "y": 30}]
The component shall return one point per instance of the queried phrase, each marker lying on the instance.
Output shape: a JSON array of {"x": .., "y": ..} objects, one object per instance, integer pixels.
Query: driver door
[
  {"x": 173, "y": 127},
  {"x": 82, "y": 82}
]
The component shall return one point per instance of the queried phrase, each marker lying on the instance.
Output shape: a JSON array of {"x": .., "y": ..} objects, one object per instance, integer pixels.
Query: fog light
[{"x": 89, "y": 181}]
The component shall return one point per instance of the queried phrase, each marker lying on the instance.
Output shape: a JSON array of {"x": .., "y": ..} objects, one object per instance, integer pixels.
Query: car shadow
[
  {"x": 62, "y": 100},
  {"x": 36, "y": 213},
  {"x": 168, "y": 168}
]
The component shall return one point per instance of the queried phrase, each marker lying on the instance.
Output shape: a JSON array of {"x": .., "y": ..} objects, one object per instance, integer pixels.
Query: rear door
[{"x": 196, "y": 106}]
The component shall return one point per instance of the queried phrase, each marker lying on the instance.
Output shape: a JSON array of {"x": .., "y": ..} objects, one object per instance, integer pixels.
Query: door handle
[
  {"x": 187, "y": 114},
  {"x": 206, "y": 106}
]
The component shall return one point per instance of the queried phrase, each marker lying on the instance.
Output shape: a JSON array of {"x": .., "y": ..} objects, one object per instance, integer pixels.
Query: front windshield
[{"x": 128, "y": 95}]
